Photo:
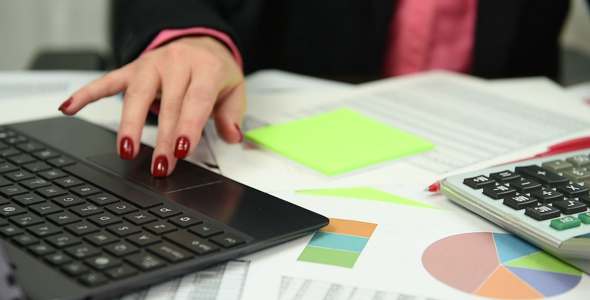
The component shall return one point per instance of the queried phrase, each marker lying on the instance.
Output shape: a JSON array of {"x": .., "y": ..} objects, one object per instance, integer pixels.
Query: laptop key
[
  {"x": 145, "y": 261},
  {"x": 75, "y": 269},
  {"x": 44, "y": 230},
  {"x": 41, "y": 249},
  {"x": 93, "y": 279},
  {"x": 227, "y": 240},
  {"x": 27, "y": 219},
  {"x": 102, "y": 262},
  {"x": 170, "y": 252},
  {"x": 63, "y": 240},
  {"x": 82, "y": 251},
  {"x": 120, "y": 272}
]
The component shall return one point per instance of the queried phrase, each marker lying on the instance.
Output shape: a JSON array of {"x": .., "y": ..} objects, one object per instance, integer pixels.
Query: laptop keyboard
[{"x": 85, "y": 231}]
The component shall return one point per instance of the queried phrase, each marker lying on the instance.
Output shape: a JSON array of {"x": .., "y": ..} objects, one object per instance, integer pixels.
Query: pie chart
[{"x": 498, "y": 265}]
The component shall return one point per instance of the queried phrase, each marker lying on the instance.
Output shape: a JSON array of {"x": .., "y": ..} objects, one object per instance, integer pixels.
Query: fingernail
[
  {"x": 160, "y": 166},
  {"x": 241, "y": 134},
  {"x": 182, "y": 147},
  {"x": 66, "y": 104},
  {"x": 126, "y": 148}
]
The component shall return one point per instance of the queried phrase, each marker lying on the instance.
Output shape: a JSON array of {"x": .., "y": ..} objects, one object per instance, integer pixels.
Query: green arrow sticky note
[{"x": 338, "y": 141}]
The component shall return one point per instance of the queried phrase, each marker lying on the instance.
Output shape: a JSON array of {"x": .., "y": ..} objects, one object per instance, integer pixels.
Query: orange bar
[{"x": 350, "y": 227}]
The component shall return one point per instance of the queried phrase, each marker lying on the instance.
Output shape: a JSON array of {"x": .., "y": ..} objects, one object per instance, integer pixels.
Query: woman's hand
[{"x": 196, "y": 77}]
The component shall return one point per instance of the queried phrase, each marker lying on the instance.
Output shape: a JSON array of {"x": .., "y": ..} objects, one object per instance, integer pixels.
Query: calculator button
[
  {"x": 479, "y": 182},
  {"x": 585, "y": 217},
  {"x": 542, "y": 175},
  {"x": 505, "y": 176},
  {"x": 526, "y": 186},
  {"x": 499, "y": 192},
  {"x": 572, "y": 190},
  {"x": 542, "y": 212},
  {"x": 569, "y": 207},
  {"x": 565, "y": 223},
  {"x": 577, "y": 175},
  {"x": 579, "y": 161},
  {"x": 520, "y": 201},
  {"x": 547, "y": 196}
]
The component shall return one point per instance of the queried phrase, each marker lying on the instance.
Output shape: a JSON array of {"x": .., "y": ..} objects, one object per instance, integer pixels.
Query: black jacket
[{"x": 343, "y": 37}]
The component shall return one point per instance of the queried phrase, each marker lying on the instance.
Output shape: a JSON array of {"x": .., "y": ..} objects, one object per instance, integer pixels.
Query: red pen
[{"x": 567, "y": 146}]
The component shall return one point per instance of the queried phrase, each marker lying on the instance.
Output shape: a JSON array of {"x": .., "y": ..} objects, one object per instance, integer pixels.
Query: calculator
[{"x": 544, "y": 201}]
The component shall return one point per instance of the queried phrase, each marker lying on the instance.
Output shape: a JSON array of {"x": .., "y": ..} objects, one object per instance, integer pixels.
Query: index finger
[{"x": 110, "y": 84}]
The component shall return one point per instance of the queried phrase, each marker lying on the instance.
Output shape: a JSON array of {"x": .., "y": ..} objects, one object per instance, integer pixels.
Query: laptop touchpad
[{"x": 185, "y": 175}]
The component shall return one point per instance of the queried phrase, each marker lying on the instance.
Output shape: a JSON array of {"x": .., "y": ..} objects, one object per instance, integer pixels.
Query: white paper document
[{"x": 470, "y": 123}]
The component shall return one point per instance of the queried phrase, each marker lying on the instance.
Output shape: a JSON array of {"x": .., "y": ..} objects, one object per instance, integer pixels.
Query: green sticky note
[{"x": 338, "y": 141}]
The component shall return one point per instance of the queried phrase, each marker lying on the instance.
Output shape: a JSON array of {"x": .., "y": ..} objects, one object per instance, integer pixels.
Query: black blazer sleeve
[{"x": 138, "y": 22}]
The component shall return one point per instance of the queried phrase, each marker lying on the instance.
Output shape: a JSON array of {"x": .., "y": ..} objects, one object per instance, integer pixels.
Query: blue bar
[{"x": 338, "y": 241}]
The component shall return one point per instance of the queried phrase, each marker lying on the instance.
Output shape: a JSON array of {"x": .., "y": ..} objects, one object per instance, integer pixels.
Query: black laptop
[{"x": 78, "y": 222}]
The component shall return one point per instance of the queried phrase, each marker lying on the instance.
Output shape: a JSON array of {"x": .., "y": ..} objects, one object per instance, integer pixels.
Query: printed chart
[
  {"x": 338, "y": 244},
  {"x": 221, "y": 282},
  {"x": 297, "y": 288},
  {"x": 498, "y": 265}
]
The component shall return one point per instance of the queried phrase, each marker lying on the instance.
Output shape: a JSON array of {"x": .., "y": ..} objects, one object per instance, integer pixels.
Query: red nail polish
[
  {"x": 241, "y": 134},
  {"x": 182, "y": 146},
  {"x": 160, "y": 166},
  {"x": 126, "y": 148},
  {"x": 66, "y": 104}
]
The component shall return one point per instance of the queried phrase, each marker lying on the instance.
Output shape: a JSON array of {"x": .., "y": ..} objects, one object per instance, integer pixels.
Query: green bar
[
  {"x": 329, "y": 256},
  {"x": 565, "y": 223},
  {"x": 585, "y": 218}
]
